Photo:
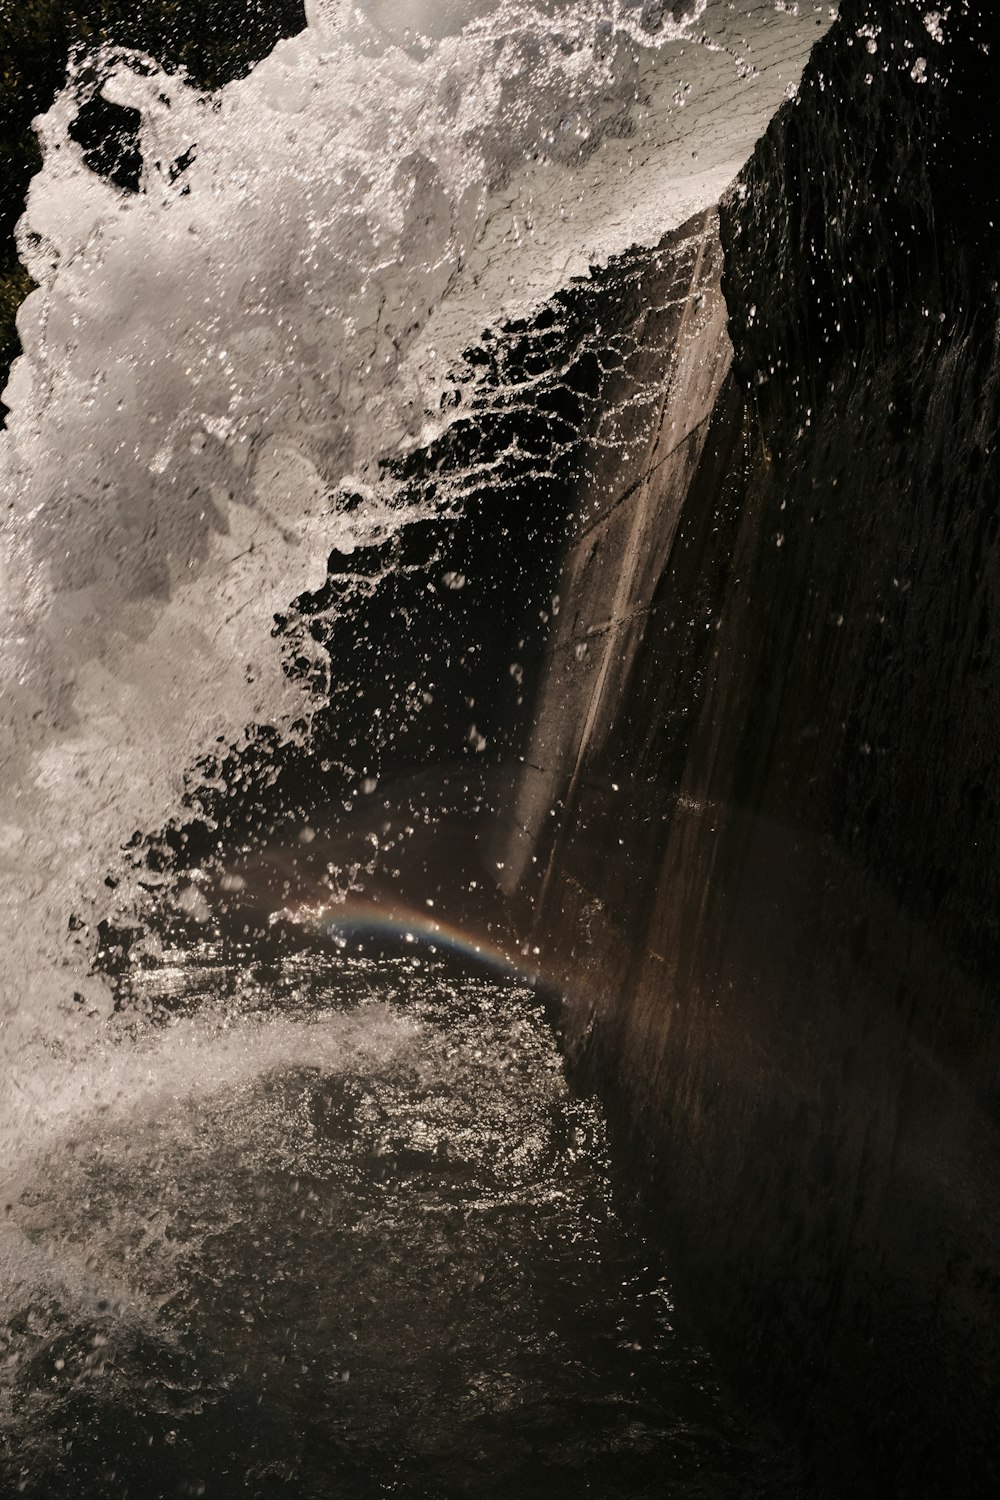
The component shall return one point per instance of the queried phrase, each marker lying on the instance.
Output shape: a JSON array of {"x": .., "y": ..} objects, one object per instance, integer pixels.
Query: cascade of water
[
  {"x": 217, "y": 357},
  {"x": 213, "y": 360}
]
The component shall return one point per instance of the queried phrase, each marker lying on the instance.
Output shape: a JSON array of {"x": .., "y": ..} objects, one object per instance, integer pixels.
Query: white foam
[{"x": 49, "y": 1099}]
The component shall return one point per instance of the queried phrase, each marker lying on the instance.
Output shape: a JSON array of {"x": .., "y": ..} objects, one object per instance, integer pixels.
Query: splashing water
[
  {"x": 378, "y": 1259},
  {"x": 213, "y": 362},
  {"x": 214, "y": 367}
]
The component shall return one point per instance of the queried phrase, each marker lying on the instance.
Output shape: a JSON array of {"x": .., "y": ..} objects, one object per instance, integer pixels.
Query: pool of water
[{"x": 340, "y": 1228}]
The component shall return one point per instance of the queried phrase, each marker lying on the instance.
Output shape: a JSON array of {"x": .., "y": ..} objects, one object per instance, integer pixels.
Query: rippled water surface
[{"x": 340, "y": 1228}]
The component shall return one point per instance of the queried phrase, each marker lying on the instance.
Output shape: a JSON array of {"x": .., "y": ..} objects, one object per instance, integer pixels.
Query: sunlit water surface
[{"x": 339, "y": 1227}]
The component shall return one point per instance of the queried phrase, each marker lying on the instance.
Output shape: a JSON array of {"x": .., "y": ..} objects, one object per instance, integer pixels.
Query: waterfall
[
  {"x": 212, "y": 362},
  {"x": 227, "y": 347}
]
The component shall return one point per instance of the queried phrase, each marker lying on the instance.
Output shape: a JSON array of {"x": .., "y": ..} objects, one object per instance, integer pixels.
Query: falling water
[{"x": 355, "y": 1226}]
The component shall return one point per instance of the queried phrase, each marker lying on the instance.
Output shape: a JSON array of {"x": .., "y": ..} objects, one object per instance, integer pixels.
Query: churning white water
[
  {"x": 212, "y": 362},
  {"x": 358, "y": 1243}
]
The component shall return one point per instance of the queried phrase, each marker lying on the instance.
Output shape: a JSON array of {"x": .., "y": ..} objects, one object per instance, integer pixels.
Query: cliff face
[{"x": 756, "y": 834}]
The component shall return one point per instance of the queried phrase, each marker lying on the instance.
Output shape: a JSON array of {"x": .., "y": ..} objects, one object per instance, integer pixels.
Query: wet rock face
[
  {"x": 764, "y": 801},
  {"x": 861, "y": 280},
  {"x": 862, "y": 229}
]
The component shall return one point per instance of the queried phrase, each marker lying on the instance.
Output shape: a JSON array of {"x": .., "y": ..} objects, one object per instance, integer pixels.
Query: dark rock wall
[{"x": 756, "y": 833}]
